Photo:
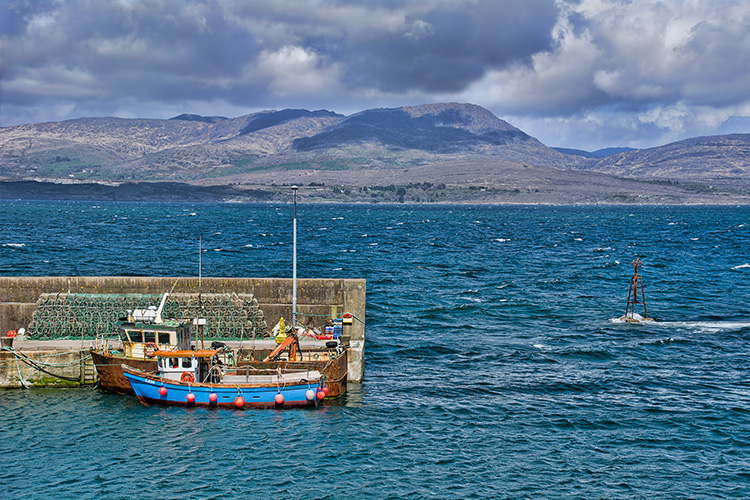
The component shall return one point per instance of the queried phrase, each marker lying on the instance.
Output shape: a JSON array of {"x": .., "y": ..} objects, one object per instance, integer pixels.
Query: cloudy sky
[{"x": 584, "y": 74}]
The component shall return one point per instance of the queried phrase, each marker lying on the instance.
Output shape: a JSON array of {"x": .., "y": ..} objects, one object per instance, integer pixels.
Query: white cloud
[
  {"x": 298, "y": 71},
  {"x": 670, "y": 117},
  {"x": 40, "y": 23},
  {"x": 418, "y": 29},
  {"x": 558, "y": 81},
  {"x": 666, "y": 68},
  {"x": 62, "y": 82},
  {"x": 600, "y": 128}
]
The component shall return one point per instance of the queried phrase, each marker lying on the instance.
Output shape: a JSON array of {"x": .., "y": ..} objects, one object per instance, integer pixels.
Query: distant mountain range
[
  {"x": 458, "y": 146},
  {"x": 599, "y": 153}
]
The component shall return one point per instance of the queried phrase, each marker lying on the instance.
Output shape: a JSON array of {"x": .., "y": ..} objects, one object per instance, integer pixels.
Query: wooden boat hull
[
  {"x": 147, "y": 386},
  {"x": 109, "y": 368}
]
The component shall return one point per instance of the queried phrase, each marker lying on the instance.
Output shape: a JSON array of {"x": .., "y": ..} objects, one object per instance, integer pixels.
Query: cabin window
[
  {"x": 164, "y": 338},
  {"x": 187, "y": 363},
  {"x": 135, "y": 335},
  {"x": 149, "y": 337},
  {"x": 174, "y": 362}
]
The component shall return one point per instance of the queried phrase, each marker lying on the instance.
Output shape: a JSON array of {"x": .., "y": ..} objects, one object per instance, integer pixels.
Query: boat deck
[{"x": 283, "y": 378}]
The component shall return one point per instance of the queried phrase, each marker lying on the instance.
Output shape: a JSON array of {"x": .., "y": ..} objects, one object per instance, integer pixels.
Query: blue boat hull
[{"x": 146, "y": 388}]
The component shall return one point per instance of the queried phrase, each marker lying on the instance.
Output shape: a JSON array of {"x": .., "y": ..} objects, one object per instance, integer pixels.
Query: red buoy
[
  {"x": 321, "y": 394},
  {"x": 11, "y": 333},
  {"x": 213, "y": 397},
  {"x": 239, "y": 402},
  {"x": 190, "y": 397},
  {"x": 279, "y": 398},
  {"x": 325, "y": 390},
  {"x": 162, "y": 391}
]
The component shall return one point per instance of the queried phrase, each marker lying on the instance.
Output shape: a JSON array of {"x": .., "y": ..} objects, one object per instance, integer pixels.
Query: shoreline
[{"x": 409, "y": 195}]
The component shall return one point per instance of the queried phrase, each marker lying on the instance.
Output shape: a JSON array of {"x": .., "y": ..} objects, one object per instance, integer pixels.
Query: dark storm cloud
[
  {"x": 172, "y": 51},
  {"x": 445, "y": 50},
  {"x": 152, "y": 50}
]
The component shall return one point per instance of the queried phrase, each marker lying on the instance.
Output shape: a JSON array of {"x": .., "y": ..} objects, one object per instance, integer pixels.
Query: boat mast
[{"x": 294, "y": 264}]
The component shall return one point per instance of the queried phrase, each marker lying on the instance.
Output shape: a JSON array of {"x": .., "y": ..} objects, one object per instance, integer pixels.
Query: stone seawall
[
  {"x": 317, "y": 299},
  {"x": 46, "y": 364}
]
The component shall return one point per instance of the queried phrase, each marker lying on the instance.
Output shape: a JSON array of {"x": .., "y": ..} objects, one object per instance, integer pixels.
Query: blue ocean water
[{"x": 493, "y": 367}]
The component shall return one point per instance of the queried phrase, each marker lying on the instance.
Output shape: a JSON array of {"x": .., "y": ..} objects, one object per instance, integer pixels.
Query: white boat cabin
[
  {"x": 189, "y": 366},
  {"x": 141, "y": 340},
  {"x": 144, "y": 332}
]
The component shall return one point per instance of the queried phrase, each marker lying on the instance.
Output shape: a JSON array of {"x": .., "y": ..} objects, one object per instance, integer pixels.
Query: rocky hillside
[
  {"x": 697, "y": 159},
  {"x": 194, "y": 148},
  {"x": 599, "y": 153},
  {"x": 456, "y": 146}
]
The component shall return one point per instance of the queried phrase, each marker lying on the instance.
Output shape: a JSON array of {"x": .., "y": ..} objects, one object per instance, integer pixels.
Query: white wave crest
[
  {"x": 634, "y": 319},
  {"x": 707, "y": 326}
]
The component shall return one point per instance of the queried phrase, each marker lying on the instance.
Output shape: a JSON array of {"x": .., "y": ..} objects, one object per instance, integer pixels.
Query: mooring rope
[
  {"x": 39, "y": 365},
  {"x": 19, "y": 354},
  {"x": 20, "y": 375},
  {"x": 340, "y": 378}
]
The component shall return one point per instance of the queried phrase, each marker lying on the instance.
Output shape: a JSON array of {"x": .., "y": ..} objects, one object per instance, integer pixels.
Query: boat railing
[
  {"x": 102, "y": 341},
  {"x": 250, "y": 375}
]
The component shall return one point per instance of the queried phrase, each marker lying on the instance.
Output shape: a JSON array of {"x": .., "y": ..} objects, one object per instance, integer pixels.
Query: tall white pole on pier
[
  {"x": 200, "y": 319},
  {"x": 294, "y": 264}
]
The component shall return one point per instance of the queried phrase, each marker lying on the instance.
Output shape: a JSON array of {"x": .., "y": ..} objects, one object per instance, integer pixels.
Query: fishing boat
[
  {"x": 142, "y": 338},
  {"x": 199, "y": 378},
  {"x": 141, "y": 334}
]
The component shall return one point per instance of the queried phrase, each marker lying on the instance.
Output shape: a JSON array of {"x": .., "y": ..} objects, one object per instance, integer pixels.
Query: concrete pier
[
  {"x": 46, "y": 364},
  {"x": 317, "y": 299}
]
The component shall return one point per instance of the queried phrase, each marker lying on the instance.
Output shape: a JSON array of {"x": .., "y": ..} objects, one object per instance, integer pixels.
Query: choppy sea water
[{"x": 493, "y": 367}]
